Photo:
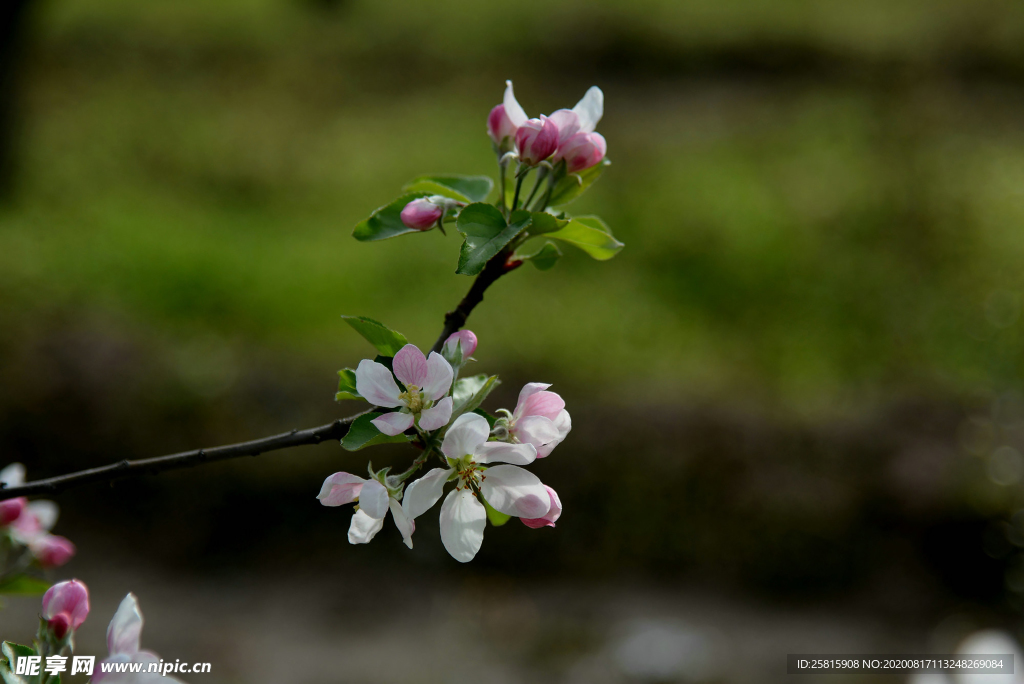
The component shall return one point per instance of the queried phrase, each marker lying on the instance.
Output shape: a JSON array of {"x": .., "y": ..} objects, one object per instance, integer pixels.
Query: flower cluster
[
  {"x": 480, "y": 455},
  {"x": 65, "y": 608},
  {"x": 25, "y": 526}
]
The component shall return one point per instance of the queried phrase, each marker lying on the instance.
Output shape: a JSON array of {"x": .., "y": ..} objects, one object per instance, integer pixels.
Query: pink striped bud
[
  {"x": 10, "y": 510},
  {"x": 466, "y": 338},
  {"x": 551, "y": 516},
  {"x": 421, "y": 214},
  {"x": 51, "y": 550},
  {"x": 500, "y": 127},
  {"x": 536, "y": 140},
  {"x": 65, "y": 607},
  {"x": 582, "y": 151}
]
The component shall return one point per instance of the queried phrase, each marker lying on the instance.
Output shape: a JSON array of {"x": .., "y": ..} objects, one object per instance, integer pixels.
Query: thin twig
[{"x": 453, "y": 321}]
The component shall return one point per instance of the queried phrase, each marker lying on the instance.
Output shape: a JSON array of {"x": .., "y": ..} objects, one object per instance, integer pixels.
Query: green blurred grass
[{"x": 818, "y": 242}]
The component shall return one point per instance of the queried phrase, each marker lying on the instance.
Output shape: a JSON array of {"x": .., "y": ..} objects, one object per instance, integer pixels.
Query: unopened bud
[
  {"x": 51, "y": 550},
  {"x": 65, "y": 607},
  {"x": 421, "y": 214},
  {"x": 10, "y": 510},
  {"x": 536, "y": 140},
  {"x": 464, "y": 337},
  {"x": 582, "y": 151},
  {"x": 500, "y": 128}
]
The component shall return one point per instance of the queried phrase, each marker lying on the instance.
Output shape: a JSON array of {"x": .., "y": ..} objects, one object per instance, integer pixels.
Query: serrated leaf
[
  {"x": 11, "y": 652},
  {"x": 364, "y": 434},
  {"x": 496, "y": 517},
  {"x": 384, "y": 339},
  {"x": 23, "y": 585},
  {"x": 470, "y": 392},
  {"x": 462, "y": 188},
  {"x": 591, "y": 235},
  {"x": 543, "y": 222},
  {"x": 575, "y": 184},
  {"x": 386, "y": 222},
  {"x": 486, "y": 234},
  {"x": 544, "y": 258},
  {"x": 347, "y": 386}
]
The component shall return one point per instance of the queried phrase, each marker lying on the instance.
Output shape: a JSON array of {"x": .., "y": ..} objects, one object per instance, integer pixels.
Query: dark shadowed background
[{"x": 796, "y": 394}]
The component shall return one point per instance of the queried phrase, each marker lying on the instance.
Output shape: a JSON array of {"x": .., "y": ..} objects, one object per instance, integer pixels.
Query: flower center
[
  {"x": 412, "y": 398},
  {"x": 469, "y": 472}
]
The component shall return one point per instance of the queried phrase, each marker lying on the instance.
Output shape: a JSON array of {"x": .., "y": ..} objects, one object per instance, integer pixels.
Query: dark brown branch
[
  {"x": 143, "y": 466},
  {"x": 453, "y": 320}
]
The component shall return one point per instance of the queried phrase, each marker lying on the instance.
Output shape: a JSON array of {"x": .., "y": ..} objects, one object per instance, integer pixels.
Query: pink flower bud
[
  {"x": 65, "y": 607},
  {"x": 536, "y": 140},
  {"x": 551, "y": 516},
  {"x": 421, "y": 214},
  {"x": 500, "y": 126},
  {"x": 51, "y": 550},
  {"x": 10, "y": 510},
  {"x": 466, "y": 337},
  {"x": 581, "y": 151}
]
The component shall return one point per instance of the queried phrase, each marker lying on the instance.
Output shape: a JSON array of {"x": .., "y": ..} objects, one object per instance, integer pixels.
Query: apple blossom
[
  {"x": 51, "y": 550},
  {"x": 65, "y": 607},
  {"x": 536, "y": 140},
  {"x": 374, "y": 502},
  {"x": 582, "y": 151},
  {"x": 500, "y": 128},
  {"x": 123, "y": 635},
  {"x": 539, "y": 419},
  {"x": 31, "y": 527},
  {"x": 421, "y": 214},
  {"x": 583, "y": 118},
  {"x": 11, "y": 509},
  {"x": 423, "y": 403},
  {"x": 549, "y": 518},
  {"x": 508, "y": 489}
]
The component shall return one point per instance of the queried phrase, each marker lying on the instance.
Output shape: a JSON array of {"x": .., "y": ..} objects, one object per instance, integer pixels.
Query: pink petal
[
  {"x": 545, "y": 404},
  {"x": 340, "y": 489},
  {"x": 528, "y": 390},
  {"x": 568, "y": 123},
  {"x": 51, "y": 550},
  {"x": 410, "y": 366},
  {"x": 437, "y": 416},
  {"x": 376, "y": 384},
  {"x": 394, "y": 423},
  {"x": 70, "y": 598},
  {"x": 548, "y": 520},
  {"x": 438, "y": 377}
]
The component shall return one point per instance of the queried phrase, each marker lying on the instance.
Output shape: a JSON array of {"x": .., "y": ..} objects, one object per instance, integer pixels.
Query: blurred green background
[{"x": 799, "y": 382}]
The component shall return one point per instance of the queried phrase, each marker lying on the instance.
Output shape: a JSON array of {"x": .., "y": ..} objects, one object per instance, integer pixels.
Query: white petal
[
  {"x": 340, "y": 489},
  {"x": 45, "y": 512},
  {"x": 502, "y": 452},
  {"x": 468, "y": 432},
  {"x": 514, "y": 491},
  {"x": 410, "y": 366},
  {"x": 439, "y": 377},
  {"x": 563, "y": 424},
  {"x": 536, "y": 430},
  {"x": 376, "y": 384},
  {"x": 125, "y": 628},
  {"x": 394, "y": 423},
  {"x": 424, "y": 492},
  {"x": 590, "y": 109},
  {"x": 463, "y": 519},
  {"x": 404, "y": 523},
  {"x": 568, "y": 124},
  {"x": 512, "y": 108},
  {"x": 437, "y": 416},
  {"x": 363, "y": 528},
  {"x": 13, "y": 475},
  {"x": 374, "y": 499}
]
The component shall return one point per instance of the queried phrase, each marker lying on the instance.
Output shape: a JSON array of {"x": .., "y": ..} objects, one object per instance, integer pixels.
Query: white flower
[
  {"x": 374, "y": 503},
  {"x": 507, "y": 488},
  {"x": 540, "y": 418},
  {"x": 426, "y": 380},
  {"x": 123, "y": 636}
]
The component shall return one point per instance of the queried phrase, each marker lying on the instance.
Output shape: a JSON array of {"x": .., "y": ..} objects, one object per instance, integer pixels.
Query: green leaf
[
  {"x": 496, "y": 517},
  {"x": 11, "y": 652},
  {"x": 486, "y": 234},
  {"x": 462, "y": 188},
  {"x": 544, "y": 258},
  {"x": 575, "y": 184},
  {"x": 364, "y": 434},
  {"x": 23, "y": 585},
  {"x": 491, "y": 420},
  {"x": 386, "y": 222},
  {"x": 543, "y": 222},
  {"x": 470, "y": 392},
  {"x": 384, "y": 339},
  {"x": 590, "y": 234},
  {"x": 347, "y": 386}
]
